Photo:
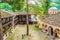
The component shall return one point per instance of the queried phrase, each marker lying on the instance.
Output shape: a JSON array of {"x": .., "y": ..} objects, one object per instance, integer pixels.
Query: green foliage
[
  {"x": 40, "y": 10},
  {"x": 11, "y": 38},
  {"x": 16, "y": 4},
  {"x": 36, "y": 28},
  {"x": 45, "y": 6},
  {"x": 58, "y": 2},
  {"x": 31, "y": 8},
  {"x": 5, "y": 28},
  {"x": 5, "y": 6}
]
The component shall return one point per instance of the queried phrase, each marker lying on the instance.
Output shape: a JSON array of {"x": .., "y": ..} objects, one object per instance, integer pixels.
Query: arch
[
  {"x": 57, "y": 32},
  {"x": 50, "y": 30},
  {"x": 49, "y": 27}
]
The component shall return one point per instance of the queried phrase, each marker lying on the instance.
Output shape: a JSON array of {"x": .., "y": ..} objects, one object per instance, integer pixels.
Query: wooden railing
[{"x": 9, "y": 24}]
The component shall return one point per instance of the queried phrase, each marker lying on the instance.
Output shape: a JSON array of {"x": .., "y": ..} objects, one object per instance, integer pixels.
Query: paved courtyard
[{"x": 35, "y": 35}]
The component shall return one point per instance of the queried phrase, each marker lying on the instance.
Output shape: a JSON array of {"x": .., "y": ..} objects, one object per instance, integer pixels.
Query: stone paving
[{"x": 35, "y": 35}]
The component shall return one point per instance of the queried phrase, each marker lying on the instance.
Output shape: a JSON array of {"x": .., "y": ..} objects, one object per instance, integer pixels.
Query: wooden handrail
[{"x": 9, "y": 22}]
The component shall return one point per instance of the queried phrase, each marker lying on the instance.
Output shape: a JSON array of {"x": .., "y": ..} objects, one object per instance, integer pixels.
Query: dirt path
[{"x": 21, "y": 29}]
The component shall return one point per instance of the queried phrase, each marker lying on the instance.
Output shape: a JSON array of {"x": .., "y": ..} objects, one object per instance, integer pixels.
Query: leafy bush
[{"x": 36, "y": 27}]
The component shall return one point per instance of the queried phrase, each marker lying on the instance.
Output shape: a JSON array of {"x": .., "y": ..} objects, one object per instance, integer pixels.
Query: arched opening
[
  {"x": 50, "y": 30},
  {"x": 42, "y": 25},
  {"x": 45, "y": 28},
  {"x": 57, "y": 33}
]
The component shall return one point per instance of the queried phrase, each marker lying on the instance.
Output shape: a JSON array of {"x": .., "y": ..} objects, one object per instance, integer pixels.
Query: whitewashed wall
[{"x": 53, "y": 10}]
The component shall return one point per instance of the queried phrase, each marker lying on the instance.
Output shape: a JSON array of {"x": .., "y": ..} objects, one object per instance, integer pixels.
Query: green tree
[
  {"x": 43, "y": 10},
  {"x": 58, "y": 2},
  {"x": 16, "y": 4},
  {"x": 45, "y": 5},
  {"x": 5, "y": 6}
]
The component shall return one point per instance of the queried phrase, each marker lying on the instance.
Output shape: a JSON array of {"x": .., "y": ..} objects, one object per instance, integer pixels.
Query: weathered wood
[
  {"x": 27, "y": 18},
  {"x": 9, "y": 23},
  {"x": 1, "y": 31},
  {"x": 13, "y": 21}
]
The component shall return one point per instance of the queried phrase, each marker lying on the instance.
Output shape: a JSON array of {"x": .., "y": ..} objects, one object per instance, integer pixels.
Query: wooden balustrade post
[
  {"x": 1, "y": 28},
  {"x": 13, "y": 22}
]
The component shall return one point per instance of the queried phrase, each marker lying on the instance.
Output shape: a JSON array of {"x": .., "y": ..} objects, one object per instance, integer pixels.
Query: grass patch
[
  {"x": 16, "y": 30},
  {"x": 36, "y": 28},
  {"x": 11, "y": 38}
]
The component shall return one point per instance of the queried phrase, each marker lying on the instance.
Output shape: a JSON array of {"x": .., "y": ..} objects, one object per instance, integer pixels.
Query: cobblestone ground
[{"x": 35, "y": 35}]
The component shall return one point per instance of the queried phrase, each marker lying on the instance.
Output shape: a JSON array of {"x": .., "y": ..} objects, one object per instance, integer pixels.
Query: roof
[
  {"x": 5, "y": 14},
  {"x": 8, "y": 12},
  {"x": 53, "y": 8},
  {"x": 24, "y": 13},
  {"x": 53, "y": 20}
]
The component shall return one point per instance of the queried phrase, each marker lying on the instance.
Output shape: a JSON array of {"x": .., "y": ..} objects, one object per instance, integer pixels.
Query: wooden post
[
  {"x": 1, "y": 31},
  {"x": 27, "y": 18},
  {"x": 13, "y": 22}
]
